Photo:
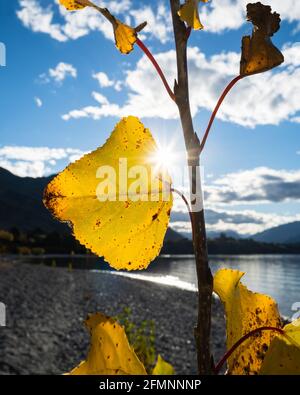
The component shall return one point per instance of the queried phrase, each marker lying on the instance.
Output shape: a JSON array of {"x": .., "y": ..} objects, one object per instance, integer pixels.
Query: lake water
[{"x": 275, "y": 275}]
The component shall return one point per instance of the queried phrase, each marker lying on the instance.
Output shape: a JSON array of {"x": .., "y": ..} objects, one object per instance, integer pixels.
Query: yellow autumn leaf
[
  {"x": 258, "y": 52},
  {"x": 72, "y": 5},
  {"x": 125, "y": 37},
  {"x": 162, "y": 367},
  {"x": 115, "y": 198},
  {"x": 283, "y": 356},
  {"x": 110, "y": 352},
  {"x": 189, "y": 13},
  {"x": 245, "y": 311}
]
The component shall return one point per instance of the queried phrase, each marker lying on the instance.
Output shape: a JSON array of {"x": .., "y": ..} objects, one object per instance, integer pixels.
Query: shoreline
[{"x": 46, "y": 308}]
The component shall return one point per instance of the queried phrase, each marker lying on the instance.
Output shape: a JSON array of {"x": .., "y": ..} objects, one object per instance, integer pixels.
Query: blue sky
[{"x": 65, "y": 86}]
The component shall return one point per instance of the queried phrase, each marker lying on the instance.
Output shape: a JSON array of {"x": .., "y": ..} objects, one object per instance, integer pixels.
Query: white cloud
[
  {"x": 39, "y": 19},
  {"x": 268, "y": 98},
  {"x": 35, "y": 161},
  {"x": 217, "y": 16},
  {"x": 79, "y": 24},
  {"x": 75, "y": 24},
  {"x": 38, "y": 101},
  {"x": 159, "y": 23},
  {"x": 62, "y": 71},
  {"x": 268, "y": 220},
  {"x": 244, "y": 222},
  {"x": 259, "y": 185},
  {"x": 105, "y": 82},
  {"x": 220, "y": 15},
  {"x": 231, "y": 201}
]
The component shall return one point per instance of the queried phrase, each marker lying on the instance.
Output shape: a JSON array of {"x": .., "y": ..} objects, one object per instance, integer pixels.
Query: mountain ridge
[
  {"x": 21, "y": 206},
  {"x": 286, "y": 233}
]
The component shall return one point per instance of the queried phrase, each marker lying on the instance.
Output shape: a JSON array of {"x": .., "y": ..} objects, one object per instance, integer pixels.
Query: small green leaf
[{"x": 162, "y": 367}]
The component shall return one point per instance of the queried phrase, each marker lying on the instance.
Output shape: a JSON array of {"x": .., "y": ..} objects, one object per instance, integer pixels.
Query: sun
[{"x": 164, "y": 158}]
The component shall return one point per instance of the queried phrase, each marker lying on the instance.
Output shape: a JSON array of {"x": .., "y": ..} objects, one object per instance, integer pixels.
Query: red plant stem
[
  {"x": 185, "y": 201},
  {"x": 214, "y": 113},
  {"x": 242, "y": 340},
  {"x": 157, "y": 67}
]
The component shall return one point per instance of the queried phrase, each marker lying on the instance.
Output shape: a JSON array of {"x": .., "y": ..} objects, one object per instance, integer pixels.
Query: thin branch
[
  {"x": 188, "y": 32},
  {"x": 185, "y": 201},
  {"x": 214, "y": 113},
  {"x": 157, "y": 67},
  {"x": 242, "y": 340},
  {"x": 204, "y": 276},
  {"x": 105, "y": 13}
]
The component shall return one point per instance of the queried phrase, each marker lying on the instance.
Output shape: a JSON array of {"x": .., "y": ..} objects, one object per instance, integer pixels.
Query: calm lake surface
[{"x": 275, "y": 275}]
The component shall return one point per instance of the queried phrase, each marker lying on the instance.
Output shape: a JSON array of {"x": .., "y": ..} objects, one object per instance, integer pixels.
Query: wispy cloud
[
  {"x": 40, "y": 19},
  {"x": 105, "y": 82},
  {"x": 35, "y": 161},
  {"x": 242, "y": 222},
  {"x": 62, "y": 71},
  {"x": 272, "y": 96},
  {"x": 230, "y": 14},
  {"x": 159, "y": 22},
  {"x": 259, "y": 185},
  {"x": 38, "y": 101}
]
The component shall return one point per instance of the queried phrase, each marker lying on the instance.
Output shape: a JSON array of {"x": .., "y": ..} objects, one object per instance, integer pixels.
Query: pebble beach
[{"x": 46, "y": 308}]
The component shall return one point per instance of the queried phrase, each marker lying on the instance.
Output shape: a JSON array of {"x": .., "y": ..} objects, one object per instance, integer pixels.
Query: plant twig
[
  {"x": 214, "y": 113},
  {"x": 241, "y": 341},
  {"x": 204, "y": 276},
  {"x": 157, "y": 67},
  {"x": 185, "y": 201}
]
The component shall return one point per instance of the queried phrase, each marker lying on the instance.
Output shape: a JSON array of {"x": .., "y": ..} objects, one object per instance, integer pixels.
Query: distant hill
[
  {"x": 21, "y": 206},
  {"x": 285, "y": 234},
  {"x": 227, "y": 233},
  {"x": 173, "y": 236}
]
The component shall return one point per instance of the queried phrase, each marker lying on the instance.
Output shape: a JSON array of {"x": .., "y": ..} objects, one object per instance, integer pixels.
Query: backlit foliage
[
  {"x": 125, "y": 36},
  {"x": 162, "y": 367},
  {"x": 128, "y": 233},
  {"x": 110, "y": 353},
  {"x": 283, "y": 356},
  {"x": 245, "y": 311},
  {"x": 189, "y": 13},
  {"x": 258, "y": 52}
]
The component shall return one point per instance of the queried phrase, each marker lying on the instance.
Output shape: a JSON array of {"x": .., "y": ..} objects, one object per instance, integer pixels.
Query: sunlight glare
[{"x": 164, "y": 158}]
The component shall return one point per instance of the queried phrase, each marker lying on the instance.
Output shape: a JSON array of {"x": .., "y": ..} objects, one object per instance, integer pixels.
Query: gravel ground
[{"x": 46, "y": 308}]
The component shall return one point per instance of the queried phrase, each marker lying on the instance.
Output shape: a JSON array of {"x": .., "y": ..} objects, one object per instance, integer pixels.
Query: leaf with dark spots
[
  {"x": 110, "y": 352},
  {"x": 258, "y": 52},
  {"x": 245, "y": 311}
]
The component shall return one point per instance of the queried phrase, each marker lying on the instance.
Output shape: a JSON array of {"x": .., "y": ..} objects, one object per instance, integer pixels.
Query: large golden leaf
[
  {"x": 110, "y": 353},
  {"x": 124, "y": 224},
  {"x": 245, "y": 311},
  {"x": 258, "y": 52},
  {"x": 283, "y": 356},
  {"x": 189, "y": 13}
]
